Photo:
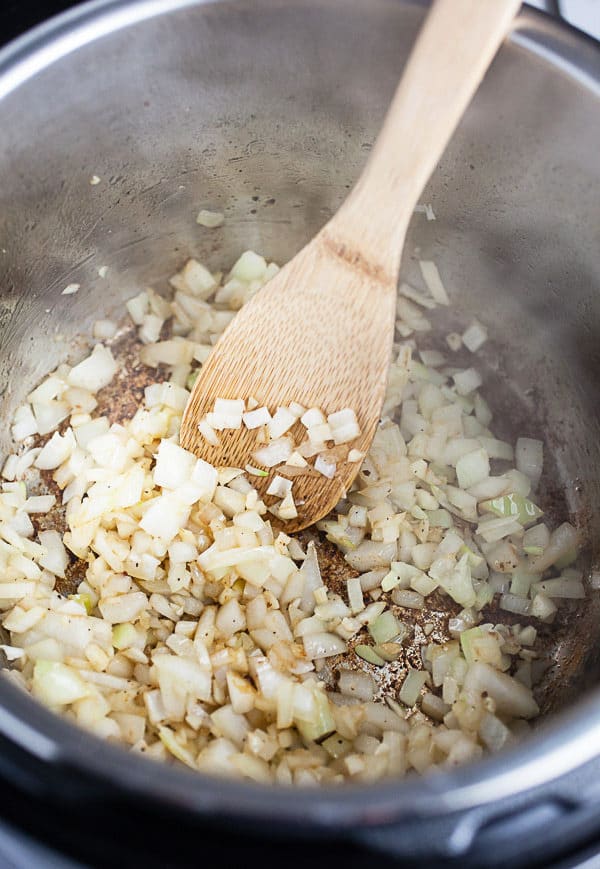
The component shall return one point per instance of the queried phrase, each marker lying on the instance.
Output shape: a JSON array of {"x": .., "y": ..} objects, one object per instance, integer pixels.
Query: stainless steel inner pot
[{"x": 267, "y": 109}]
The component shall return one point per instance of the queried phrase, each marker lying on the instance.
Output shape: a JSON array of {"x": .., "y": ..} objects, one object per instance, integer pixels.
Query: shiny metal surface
[{"x": 267, "y": 109}]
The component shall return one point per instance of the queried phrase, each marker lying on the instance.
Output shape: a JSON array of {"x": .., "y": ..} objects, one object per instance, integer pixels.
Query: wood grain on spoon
[{"x": 321, "y": 331}]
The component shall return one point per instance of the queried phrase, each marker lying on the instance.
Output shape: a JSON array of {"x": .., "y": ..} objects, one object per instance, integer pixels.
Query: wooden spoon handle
[{"x": 450, "y": 57}]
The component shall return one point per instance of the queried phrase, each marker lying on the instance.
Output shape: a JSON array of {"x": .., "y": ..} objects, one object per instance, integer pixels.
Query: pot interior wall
[{"x": 267, "y": 110}]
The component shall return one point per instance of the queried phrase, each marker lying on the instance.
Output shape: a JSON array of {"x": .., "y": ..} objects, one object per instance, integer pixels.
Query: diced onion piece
[
  {"x": 286, "y": 509},
  {"x": 344, "y": 425},
  {"x": 279, "y": 487},
  {"x": 467, "y": 381},
  {"x": 411, "y": 687},
  {"x": 474, "y": 336},
  {"x": 454, "y": 341},
  {"x": 536, "y": 539},
  {"x": 563, "y": 543},
  {"x": 312, "y": 417},
  {"x": 368, "y": 653},
  {"x": 371, "y": 555},
  {"x": 495, "y": 529},
  {"x": 493, "y": 733},
  {"x": 355, "y": 456},
  {"x": 96, "y": 371},
  {"x": 282, "y": 422},
  {"x": 138, "y": 307},
  {"x": 208, "y": 433},
  {"x": 542, "y": 607},
  {"x": 408, "y": 599},
  {"x": 249, "y": 267},
  {"x": 275, "y": 452},
  {"x": 529, "y": 456},
  {"x": 164, "y": 517},
  {"x": 104, "y": 330},
  {"x": 71, "y": 289},
  {"x": 513, "y": 603},
  {"x": 323, "y": 645},
  {"x": 427, "y": 210},
  {"x": 325, "y": 467},
  {"x": 497, "y": 449},
  {"x": 227, "y": 414},
  {"x": 472, "y": 468},
  {"x": 510, "y": 696},
  {"x": 210, "y": 219},
  {"x": 55, "y": 684},
  {"x": 256, "y": 472},
  {"x": 434, "y": 706},
  {"x": 56, "y": 451},
  {"x": 384, "y": 628},
  {"x": 171, "y": 352},
  {"x": 296, "y": 461},
  {"x": 256, "y": 418},
  {"x": 432, "y": 279},
  {"x": 198, "y": 280},
  {"x": 149, "y": 331},
  {"x": 12, "y": 653},
  {"x": 56, "y": 558},
  {"x": 355, "y": 594},
  {"x": 515, "y": 506},
  {"x": 173, "y": 465},
  {"x": 123, "y": 607},
  {"x": 356, "y": 683},
  {"x": 24, "y": 423},
  {"x": 561, "y": 587},
  {"x": 39, "y": 503}
]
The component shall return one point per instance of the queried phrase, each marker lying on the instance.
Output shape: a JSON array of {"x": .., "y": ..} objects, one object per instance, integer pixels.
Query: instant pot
[{"x": 267, "y": 109}]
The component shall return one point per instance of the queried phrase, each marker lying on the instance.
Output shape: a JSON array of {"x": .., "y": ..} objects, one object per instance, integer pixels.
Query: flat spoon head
[{"x": 319, "y": 333}]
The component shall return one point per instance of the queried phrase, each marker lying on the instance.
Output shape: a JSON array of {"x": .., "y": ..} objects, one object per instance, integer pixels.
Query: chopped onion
[
  {"x": 249, "y": 267},
  {"x": 324, "y": 467},
  {"x": 529, "y": 455},
  {"x": 56, "y": 684},
  {"x": 256, "y": 418},
  {"x": 510, "y": 697},
  {"x": 96, "y": 371},
  {"x": 355, "y": 594},
  {"x": 368, "y": 653},
  {"x": 467, "y": 381},
  {"x": 384, "y": 628},
  {"x": 474, "y": 336},
  {"x": 198, "y": 280},
  {"x": 208, "y": 433},
  {"x": 371, "y": 555},
  {"x": 210, "y": 219},
  {"x": 563, "y": 542},
  {"x": 356, "y": 683},
  {"x": 344, "y": 426},
  {"x": 200, "y": 632},
  {"x": 472, "y": 468},
  {"x": 411, "y": 687},
  {"x": 513, "y": 603},
  {"x": 56, "y": 558},
  {"x": 323, "y": 645},
  {"x": 408, "y": 599},
  {"x": 562, "y": 587},
  {"x": 432, "y": 279},
  {"x": 276, "y": 452}
]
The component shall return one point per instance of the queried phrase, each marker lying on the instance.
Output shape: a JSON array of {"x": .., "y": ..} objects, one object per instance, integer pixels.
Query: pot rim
[{"x": 560, "y": 746}]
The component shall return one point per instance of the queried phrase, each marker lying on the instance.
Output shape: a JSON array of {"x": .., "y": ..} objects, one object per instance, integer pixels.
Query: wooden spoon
[{"x": 320, "y": 333}]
